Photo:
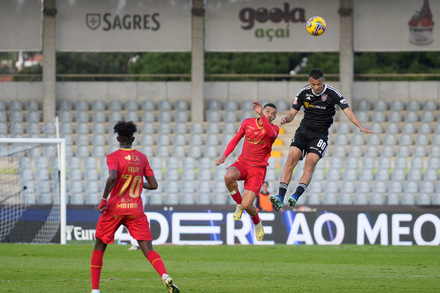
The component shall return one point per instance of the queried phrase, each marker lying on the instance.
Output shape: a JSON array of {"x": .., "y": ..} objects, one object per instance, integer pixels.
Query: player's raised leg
[
  {"x": 248, "y": 206},
  {"x": 231, "y": 177},
  {"x": 309, "y": 167},
  {"x": 293, "y": 157}
]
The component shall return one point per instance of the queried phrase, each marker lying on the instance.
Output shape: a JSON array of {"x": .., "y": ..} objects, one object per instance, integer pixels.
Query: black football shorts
[{"x": 310, "y": 142}]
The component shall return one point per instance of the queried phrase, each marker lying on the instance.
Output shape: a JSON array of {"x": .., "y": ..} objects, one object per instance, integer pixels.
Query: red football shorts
[
  {"x": 253, "y": 176},
  {"x": 137, "y": 225}
]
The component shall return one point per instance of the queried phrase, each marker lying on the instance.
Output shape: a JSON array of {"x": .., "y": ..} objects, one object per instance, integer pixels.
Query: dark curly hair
[
  {"x": 316, "y": 73},
  {"x": 125, "y": 129}
]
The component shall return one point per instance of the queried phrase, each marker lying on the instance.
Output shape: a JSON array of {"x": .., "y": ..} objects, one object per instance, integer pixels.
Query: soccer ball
[{"x": 316, "y": 25}]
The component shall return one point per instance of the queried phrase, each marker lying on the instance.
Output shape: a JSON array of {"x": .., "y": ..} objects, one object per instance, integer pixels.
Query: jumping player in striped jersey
[
  {"x": 127, "y": 169},
  {"x": 259, "y": 135},
  {"x": 311, "y": 137}
]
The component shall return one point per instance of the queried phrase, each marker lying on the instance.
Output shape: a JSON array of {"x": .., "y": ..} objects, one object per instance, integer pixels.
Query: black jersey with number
[{"x": 319, "y": 110}]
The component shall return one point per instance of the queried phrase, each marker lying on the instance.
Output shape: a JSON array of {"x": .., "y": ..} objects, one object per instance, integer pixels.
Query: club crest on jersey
[{"x": 323, "y": 98}]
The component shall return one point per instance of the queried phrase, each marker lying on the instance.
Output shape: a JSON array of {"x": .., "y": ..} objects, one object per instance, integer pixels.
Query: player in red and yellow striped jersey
[
  {"x": 127, "y": 169},
  {"x": 259, "y": 135}
]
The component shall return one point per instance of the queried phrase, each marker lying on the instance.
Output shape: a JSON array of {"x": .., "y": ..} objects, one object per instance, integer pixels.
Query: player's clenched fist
[{"x": 102, "y": 205}]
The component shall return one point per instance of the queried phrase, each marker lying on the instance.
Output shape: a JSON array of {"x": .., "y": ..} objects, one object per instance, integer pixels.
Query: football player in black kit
[{"x": 311, "y": 137}]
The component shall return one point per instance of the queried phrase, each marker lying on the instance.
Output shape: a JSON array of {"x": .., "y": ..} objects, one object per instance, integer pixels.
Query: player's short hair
[
  {"x": 270, "y": 105},
  {"x": 316, "y": 73},
  {"x": 125, "y": 128}
]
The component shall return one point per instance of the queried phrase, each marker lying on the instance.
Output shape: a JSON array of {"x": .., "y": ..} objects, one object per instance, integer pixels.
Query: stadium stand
[{"x": 399, "y": 164}]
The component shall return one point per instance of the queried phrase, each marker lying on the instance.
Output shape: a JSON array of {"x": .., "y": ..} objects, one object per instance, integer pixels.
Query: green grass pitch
[{"x": 279, "y": 268}]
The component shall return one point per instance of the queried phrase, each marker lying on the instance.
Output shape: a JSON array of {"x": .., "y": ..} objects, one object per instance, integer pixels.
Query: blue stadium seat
[
  {"x": 430, "y": 105},
  {"x": 181, "y": 105},
  {"x": 395, "y": 117},
  {"x": 423, "y": 199},
  {"x": 148, "y": 106},
  {"x": 33, "y": 117},
  {"x": 330, "y": 198},
  {"x": 345, "y": 199},
  {"x": 165, "y": 105},
  {"x": 181, "y": 116},
  {"x": 164, "y": 128},
  {"x": 355, "y": 151},
  {"x": 132, "y": 116},
  {"x": 364, "y": 105},
  {"x": 361, "y": 199},
  {"x": 231, "y": 106},
  {"x": 214, "y": 116},
  {"x": 397, "y": 105},
  {"x": 82, "y": 105},
  {"x": 427, "y": 116},
  {"x": 413, "y": 105},
  {"x": 387, "y": 151},
  {"x": 363, "y": 187},
  {"x": 379, "y": 187},
  {"x": 408, "y": 199},
  {"x": 220, "y": 196},
  {"x": 148, "y": 117},
  {"x": 411, "y": 117},
  {"x": 380, "y": 105},
  {"x": 180, "y": 128},
  {"x": 393, "y": 199},
  {"x": 358, "y": 139},
  {"x": 377, "y": 199},
  {"x": 392, "y": 128},
  {"x": 214, "y": 105},
  {"x": 16, "y": 105},
  {"x": 376, "y": 127}
]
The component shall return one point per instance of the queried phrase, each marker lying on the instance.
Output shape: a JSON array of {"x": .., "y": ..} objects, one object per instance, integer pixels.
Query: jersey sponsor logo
[
  {"x": 307, "y": 105},
  {"x": 323, "y": 98},
  {"x": 254, "y": 141},
  {"x": 135, "y": 158},
  {"x": 128, "y": 158}
]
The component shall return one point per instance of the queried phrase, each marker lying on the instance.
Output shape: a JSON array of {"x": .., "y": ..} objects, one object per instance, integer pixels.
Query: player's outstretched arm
[
  {"x": 231, "y": 145},
  {"x": 356, "y": 121},
  {"x": 258, "y": 108},
  {"x": 220, "y": 160},
  {"x": 289, "y": 117}
]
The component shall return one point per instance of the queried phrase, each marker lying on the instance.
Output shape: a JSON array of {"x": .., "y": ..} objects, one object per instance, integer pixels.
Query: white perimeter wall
[{"x": 268, "y": 91}]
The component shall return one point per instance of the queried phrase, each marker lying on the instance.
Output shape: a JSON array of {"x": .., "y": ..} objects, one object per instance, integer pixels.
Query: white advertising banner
[
  {"x": 396, "y": 25},
  {"x": 274, "y": 25},
  {"x": 135, "y": 25},
  {"x": 20, "y": 25}
]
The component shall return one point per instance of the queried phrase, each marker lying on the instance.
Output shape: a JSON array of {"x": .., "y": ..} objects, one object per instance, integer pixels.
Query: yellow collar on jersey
[{"x": 127, "y": 149}]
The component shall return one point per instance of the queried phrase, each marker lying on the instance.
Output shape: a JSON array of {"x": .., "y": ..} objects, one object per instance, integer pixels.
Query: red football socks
[
  {"x": 95, "y": 267},
  {"x": 236, "y": 196},
  {"x": 256, "y": 219},
  {"x": 157, "y": 263}
]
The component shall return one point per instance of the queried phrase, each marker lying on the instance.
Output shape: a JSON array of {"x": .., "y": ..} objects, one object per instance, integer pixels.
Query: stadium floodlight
[{"x": 33, "y": 193}]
